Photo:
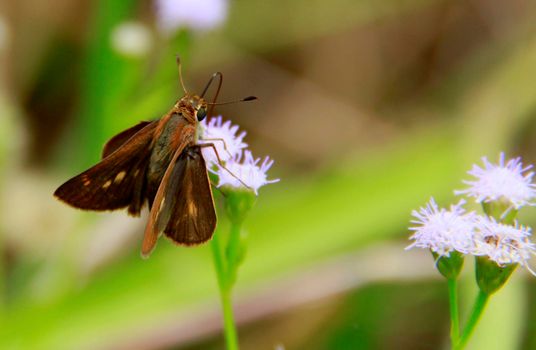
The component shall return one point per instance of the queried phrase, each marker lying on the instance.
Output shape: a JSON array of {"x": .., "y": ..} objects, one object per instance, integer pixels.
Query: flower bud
[
  {"x": 238, "y": 202},
  {"x": 490, "y": 277},
  {"x": 449, "y": 266}
]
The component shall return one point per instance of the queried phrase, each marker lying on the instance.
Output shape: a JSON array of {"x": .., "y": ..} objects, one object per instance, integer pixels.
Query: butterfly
[{"x": 159, "y": 162}]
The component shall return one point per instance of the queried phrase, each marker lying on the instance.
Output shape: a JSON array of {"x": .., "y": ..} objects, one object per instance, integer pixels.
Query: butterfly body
[{"x": 174, "y": 130}]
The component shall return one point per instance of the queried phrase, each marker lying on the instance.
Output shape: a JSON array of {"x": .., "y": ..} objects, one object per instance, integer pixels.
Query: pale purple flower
[
  {"x": 442, "y": 230},
  {"x": 197, "y": 15},
  {"x": 244, "y": 169},
  {"x": 504, "y": 244},
  {"x": 227, "y": 139},
  {"x": 239, "y": 169},
  {"x": 508, "y": 181}
]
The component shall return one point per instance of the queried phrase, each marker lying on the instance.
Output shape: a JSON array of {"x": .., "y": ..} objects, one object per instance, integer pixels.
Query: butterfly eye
[{"x": 201, "y": 113}]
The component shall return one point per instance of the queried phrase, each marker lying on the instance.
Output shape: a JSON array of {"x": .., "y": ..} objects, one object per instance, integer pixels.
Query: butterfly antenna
[
  {"x": 245, "y": 99},
  {"x": 180, "y": 74},
  {"x": 220, "y": 82},
  {"x": 217, "y": 74}
]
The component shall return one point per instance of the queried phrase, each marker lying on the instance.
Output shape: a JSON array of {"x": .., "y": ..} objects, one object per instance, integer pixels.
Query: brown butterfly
[{"x": 159, "y": 162}]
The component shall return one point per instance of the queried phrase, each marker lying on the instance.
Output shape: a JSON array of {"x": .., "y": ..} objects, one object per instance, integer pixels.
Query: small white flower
[
  {"x": 224, "y": 136},
  {"x": 507, "y": 180},
  {"x": 131, "y": 39},
  {"x": 194, "y": 14},
  {"x": 504, "y": 244},
  {"x": 441, "y": 230},
  {"x": 247, "y": 169}
]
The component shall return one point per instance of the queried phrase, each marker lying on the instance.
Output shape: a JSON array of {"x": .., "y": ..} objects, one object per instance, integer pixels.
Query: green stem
[
  {"x": 478, "y": 309},
  {"x": 234, "y": 252},
  {"x": 454, "y": 316},
  {"x": 217, "y": 257},
  {"x": 231, "y": 336},
  {"x": 222, "y": 273}
]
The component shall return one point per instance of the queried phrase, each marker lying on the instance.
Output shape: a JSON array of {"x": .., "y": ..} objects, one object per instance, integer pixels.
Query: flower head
[
  {"x": 441, "y": 230},
  {"x": 244, "y": 169},
  {"x": 224, "y": 136},
  {"x": 504, "y": 244},
  {"x": 194, "y": 14},
  {"x": 508, "y": 181}
]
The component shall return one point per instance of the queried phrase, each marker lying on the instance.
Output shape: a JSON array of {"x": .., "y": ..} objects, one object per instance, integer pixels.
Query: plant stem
[
  {"x": 231, "y": 337},
  {"x": 454, "y": 316},
  {"x": 225, "y": 286},
  {"x": 233, "y": 252},
  {"x": 217, "y": 257},
  {"x": 476, "y": 313}
]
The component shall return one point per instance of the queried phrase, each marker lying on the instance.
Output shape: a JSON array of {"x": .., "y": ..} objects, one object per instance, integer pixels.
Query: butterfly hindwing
[
  {"x": 183, "y": 207},
  {"x": 157, "y": 201},
  {"x": 116, "y": 181},
  {"x": 188, "y": 216}
]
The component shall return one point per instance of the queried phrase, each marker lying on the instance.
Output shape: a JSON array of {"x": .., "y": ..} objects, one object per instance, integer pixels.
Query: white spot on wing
[
  {"x": 192, "y": 209},
  {"x": 120, "y": 176},
  {"x": 107, "y": 184}
]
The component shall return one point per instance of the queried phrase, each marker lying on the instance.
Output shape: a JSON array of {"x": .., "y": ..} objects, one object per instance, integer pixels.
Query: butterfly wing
[
  {"x": 188, "y": 216},
  {"x": 152, "y": 231},
  {"x": 184, "y": 207},
  {"x": 118, "y": 140},
  {"x": 116, "y": 181}
]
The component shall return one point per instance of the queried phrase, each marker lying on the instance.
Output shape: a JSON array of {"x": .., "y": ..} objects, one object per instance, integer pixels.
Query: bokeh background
[{"x": 368, "y": 108}]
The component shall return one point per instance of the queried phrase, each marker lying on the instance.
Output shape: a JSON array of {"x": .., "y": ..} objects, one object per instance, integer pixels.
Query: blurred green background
[{"x": 368, "y": 108}]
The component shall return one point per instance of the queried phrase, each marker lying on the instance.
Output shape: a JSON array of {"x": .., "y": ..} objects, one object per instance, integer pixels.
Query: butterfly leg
[
  {"x": 220, "y": 163},
  {"x": 222, "y": 141}
]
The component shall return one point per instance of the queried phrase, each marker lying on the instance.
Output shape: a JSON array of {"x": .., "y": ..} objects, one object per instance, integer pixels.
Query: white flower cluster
[
  {"x": 504, "y": 244},
  {"x": 508, "y": 181},
  {"x": 238, "y": 167},
  {"x": 444, "y": 231}
]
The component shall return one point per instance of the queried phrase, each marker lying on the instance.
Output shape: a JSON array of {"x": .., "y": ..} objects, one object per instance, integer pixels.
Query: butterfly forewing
[
  {"x": 115, "y": 182},
  {"x": 118, "y": 140},
  {"x": 188, "y": 216},
  {"x": 152, "y": 230}
]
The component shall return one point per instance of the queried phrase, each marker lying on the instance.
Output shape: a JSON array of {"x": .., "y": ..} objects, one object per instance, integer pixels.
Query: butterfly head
[
  {"x": 199, "y": 105},
  {"x": 194, "y": 106}
]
